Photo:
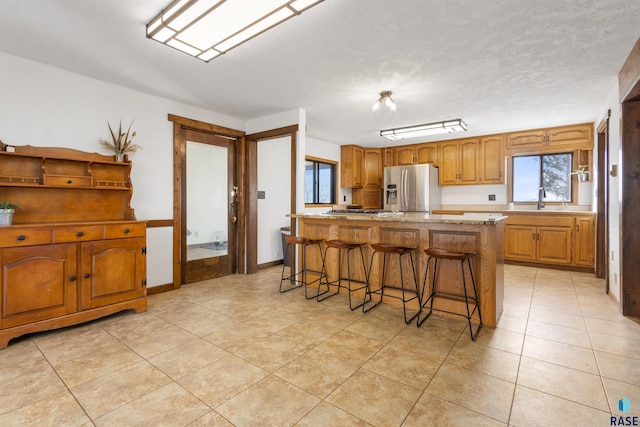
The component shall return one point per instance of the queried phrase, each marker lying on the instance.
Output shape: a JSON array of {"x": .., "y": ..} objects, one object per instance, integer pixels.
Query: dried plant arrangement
[{"x": 121, "y": 142}]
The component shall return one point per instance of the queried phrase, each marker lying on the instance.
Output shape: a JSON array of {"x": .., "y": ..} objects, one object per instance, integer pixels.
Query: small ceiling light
[
  {"x": 385, "y": 99},
  {"x": 423, "y": 130},
  {"x": 208, "y": 28}
]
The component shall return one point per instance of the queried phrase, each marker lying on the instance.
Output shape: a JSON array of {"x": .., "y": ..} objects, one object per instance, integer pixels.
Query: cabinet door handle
[
  {"x": 79, "y": 234},
  {"x": 577, "y": 227},
  {"x": 69, "y": 181},
  {"x": 86, "y": 275},
  {"x": 533, "y": 236},
  {"x": 126, "y": 231},
  {"x": 21, "y": 237},
  {"x": 72, "y": 278}
]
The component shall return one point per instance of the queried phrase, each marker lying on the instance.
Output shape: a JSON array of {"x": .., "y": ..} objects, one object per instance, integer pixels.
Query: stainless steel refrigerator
[{"x": 411, "y": 188}]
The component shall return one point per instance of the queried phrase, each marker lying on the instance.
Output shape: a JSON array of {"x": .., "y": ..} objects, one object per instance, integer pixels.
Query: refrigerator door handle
[{"x": 404, "y": 201}]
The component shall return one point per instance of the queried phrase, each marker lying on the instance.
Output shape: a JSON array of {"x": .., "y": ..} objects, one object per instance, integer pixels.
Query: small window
[
  {"x": 552, "y": 172},
  {"x": 319, "y": 182}
]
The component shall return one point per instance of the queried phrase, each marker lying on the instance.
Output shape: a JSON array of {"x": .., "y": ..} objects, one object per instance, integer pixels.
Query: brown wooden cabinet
[
  {"x": 404, "y": 155},
  {"x": 75, "y": 251},
  {"x": 551, "y": 239},
  {"x": 416, "y": 154},
  {"x": 37, "y": 283},
  {"x": 492, "y": 160},
  {"x": 459, "y": 161},
  {"x": 546, "y": 244},
  {"x": 351, "y": 162},
  {"x": 585, "y": 244},
  {"x": 573, "y": 136},
  {"x": 427, "y": 153},
  {"x": 370, "y": 195},
  {"x": 373, "y": 168}
]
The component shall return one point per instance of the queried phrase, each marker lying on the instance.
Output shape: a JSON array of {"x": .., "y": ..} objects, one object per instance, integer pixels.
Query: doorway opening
[{"x": 208, "y": 230}]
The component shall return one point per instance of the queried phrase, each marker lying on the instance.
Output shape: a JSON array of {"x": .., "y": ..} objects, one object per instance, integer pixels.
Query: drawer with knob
[
  {"x": 66, "y": 180},
  {"x": 25, "y": 237},
  {"x": 77, "y": 233},
  {"x": 120, "y": 231}
]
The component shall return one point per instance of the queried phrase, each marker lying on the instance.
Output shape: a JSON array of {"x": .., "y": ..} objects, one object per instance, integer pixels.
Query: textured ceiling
[{"x": 499, "y": 65}]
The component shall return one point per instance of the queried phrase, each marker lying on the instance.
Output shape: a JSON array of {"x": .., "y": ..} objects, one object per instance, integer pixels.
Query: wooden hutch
[{"x": 75, "y": 251}]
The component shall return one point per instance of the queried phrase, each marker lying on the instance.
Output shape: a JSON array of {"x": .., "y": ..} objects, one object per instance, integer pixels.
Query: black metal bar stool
[
  {"x": 300, "y": 278},
  {"x": 443, "y": 254},
  {"x": 346, "y": 249},
  {"x": 393, "y": 250}
]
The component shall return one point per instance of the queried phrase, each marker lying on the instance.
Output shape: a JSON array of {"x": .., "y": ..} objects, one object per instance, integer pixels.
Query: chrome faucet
[{"x": 541, "y": 195}]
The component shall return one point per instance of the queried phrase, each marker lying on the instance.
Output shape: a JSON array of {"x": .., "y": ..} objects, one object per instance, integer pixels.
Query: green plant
[
  {"x": 6, "y": 204},
  {"x": 121, "y": 142}
]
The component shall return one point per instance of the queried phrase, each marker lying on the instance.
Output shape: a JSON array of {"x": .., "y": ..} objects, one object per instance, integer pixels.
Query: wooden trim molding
[
  {"x": 157, "y": 223},
  {"x": 629, "y": 75},
  {"x": 205, "y": 127}
]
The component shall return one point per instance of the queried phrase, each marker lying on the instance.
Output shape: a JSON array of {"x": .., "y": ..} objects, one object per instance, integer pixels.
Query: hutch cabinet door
[
  {"x": 38, "y": 283},
  {"x": 112, "y": 271}
]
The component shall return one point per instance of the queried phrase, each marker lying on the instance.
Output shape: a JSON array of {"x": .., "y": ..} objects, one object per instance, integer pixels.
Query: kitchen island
[{"x": 479, "y": 233}]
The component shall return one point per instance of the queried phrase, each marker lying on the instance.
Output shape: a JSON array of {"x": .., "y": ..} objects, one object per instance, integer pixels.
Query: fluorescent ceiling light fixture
[
  {"x": 423, "y": 130},
  {"x": 208, "y": 28},
  {"x": 385, "y": 99}
]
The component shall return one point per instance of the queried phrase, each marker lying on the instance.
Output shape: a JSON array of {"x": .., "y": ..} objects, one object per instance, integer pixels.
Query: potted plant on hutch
[
  {"x": 7, "y": 209},
  {"x": 121, "y": 142}
]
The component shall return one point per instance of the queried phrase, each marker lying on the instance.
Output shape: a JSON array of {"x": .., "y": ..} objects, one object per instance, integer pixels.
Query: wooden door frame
[
  {"x": 629, "y": 93},
  {"x": 251, "y": 198},
  {"x": 181, "y": 124},
  {"x": 602, "y": 196}
]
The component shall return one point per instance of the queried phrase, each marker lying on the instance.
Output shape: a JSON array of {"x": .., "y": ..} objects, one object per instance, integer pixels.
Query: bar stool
[
  {"x": 300, "y": 278},
  {"x": 346, "y": 249},
  {"x": 443, "y": 254},
  {"x": 392, "y": 250}
]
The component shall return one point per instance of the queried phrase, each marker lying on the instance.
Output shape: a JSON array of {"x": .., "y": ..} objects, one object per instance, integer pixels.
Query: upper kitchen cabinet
[
  {"x": 416, "y": 154},
  {"x": 351, "y": 161},
  {"x": 459, "y": 161},
  {"x": 427, "y": 153},
  {"x": 573, "y": 136},
  {"x": 492, "y": 160},
  {"x": 373, "y": 167},
  {"x": 404, "y": 155}
]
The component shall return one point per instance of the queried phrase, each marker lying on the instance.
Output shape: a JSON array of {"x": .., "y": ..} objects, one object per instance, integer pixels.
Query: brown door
[{"x": 209, "y": 206}]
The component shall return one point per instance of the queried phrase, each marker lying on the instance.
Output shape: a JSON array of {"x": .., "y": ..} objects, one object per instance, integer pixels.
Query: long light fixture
[
  {"x": 208, "y": 28},
  {"x": 423, "y": 130},
  {"x": 384, "y": 100}
]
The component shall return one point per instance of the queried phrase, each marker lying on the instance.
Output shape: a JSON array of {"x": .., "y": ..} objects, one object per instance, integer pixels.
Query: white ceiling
[{"x": 500, "y": 65}]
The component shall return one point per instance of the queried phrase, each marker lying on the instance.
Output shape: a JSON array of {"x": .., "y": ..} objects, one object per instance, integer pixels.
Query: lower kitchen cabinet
[
  {"x": 585, "y": 241},
  {"x": 550, "y": 239},
  {"x": 544, "y": 244}
]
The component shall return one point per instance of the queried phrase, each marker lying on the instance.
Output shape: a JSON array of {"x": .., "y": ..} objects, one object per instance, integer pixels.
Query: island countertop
[
  {"x": 480, "y": 233},
  {"x": 467, "y": 218}
]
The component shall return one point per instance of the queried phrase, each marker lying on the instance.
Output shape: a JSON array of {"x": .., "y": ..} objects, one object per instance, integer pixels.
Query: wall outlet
[
  {"x": 344, "y": 198},
  {"x": 492, "y": 197}
]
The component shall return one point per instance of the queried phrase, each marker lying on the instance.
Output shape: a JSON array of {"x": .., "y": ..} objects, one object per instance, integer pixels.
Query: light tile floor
[{"x": 233, "y": 351}]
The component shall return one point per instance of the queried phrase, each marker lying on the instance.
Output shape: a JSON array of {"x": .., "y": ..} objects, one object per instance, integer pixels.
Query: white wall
[
  {"x": 46, "y": 106},
  {"x": 274, "y": 178}
]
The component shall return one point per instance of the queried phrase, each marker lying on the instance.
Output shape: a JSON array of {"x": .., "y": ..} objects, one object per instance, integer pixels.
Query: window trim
[
  {"x": 335, "y": 181},
  {"x": 574, "y": 180}
]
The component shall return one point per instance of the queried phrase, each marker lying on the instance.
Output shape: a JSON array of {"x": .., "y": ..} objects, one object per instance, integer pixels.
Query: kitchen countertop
[{"x": 467, "y": 218}]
